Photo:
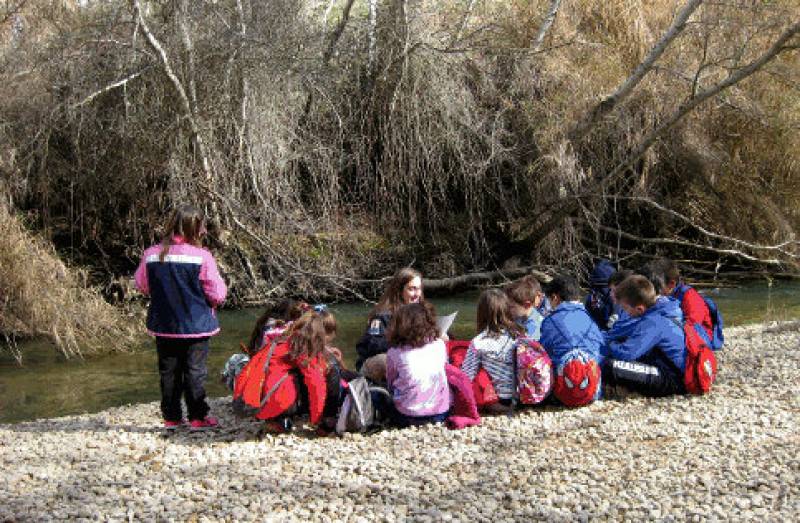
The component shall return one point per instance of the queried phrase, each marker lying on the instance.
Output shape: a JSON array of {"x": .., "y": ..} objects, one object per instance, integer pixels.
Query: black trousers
[
  {"x": 183, "y": 372},
  {"x": 650, "y": 379}
]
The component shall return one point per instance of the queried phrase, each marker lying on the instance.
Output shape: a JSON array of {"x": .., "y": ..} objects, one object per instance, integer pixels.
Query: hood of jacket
[{"x": 667, "y": 307}]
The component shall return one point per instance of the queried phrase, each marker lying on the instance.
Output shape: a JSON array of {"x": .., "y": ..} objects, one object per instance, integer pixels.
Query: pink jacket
[{"x": 464, "y": 408}]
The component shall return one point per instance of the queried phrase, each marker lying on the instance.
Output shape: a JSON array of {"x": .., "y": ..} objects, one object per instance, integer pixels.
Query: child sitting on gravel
[
  {"x": 573, "y": 341},
  {"x": 695, "y": 310},
  {"x": 272, "y": 323},
  {"x": 295, "y": 379},
  {"x": 493, "y": 348},
  {"x": 621, "y": 323},
  {"x": 598, "y": 302},
  {"x": 415, "y": 366},
  {"x": 651, "y": 360},
  {"x": 525, "y": 297}
]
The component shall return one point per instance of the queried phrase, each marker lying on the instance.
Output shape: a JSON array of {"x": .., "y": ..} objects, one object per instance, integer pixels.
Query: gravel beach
[{"x": 730, "y": 455}]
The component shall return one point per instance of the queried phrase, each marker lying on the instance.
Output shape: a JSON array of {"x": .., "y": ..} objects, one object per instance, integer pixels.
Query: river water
[{"x": 49, "y": 386}]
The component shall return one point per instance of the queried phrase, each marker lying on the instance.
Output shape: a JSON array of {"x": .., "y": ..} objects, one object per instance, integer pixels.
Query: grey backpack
[{"x": 357, "y": 413}]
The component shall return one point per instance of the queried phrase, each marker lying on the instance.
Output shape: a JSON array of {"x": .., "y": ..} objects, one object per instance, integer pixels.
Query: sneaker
[
  {"x": 275, "y": 427},
  {"x": 209, "y": 422},
  {"x": 173, "y": 425}
]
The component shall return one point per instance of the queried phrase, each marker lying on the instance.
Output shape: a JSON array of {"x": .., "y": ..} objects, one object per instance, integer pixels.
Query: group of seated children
[{"x": 627, "y": 332}]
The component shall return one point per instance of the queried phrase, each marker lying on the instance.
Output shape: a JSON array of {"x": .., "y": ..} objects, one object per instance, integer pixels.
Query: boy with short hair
[
  {"x": 693, "y": 305},
  {"x": 573, "y": 342},
  {"x": 652, "y": 359},
  {"x": 525, "y": 297}
]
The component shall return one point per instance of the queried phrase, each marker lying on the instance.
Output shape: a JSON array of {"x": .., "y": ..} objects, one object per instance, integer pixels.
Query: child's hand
[{"x": 336, "y": 353}]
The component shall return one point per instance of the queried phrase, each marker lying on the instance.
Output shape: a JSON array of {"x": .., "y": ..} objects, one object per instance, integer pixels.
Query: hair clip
[{"x": 320, "y": 308}]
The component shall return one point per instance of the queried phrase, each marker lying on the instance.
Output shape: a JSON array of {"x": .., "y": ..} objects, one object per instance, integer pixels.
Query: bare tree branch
[
  {"x": 333, "y": 39},
  {"x": 189, "y": 113},
  {"x": 549, "y": 18},
  {"x": 625, "y": 89},
  {"x": 685, "y": 108},
  {"x": 685, "y": 243},
  {"x": 111, "y": 86},
  {"x": 780, "y": 247},
  {"x": 473, "y": 279}
]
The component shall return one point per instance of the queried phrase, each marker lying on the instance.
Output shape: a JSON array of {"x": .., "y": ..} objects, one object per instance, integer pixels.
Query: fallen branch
[
  {"x": 473, "y": 279},
  {"x": 777, "y": 247},
  {"x": 685, "y": 243}
]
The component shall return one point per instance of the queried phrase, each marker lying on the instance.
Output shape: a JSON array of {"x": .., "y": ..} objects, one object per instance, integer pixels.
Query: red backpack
[
  {"x": 248, "y": 392},
  {"x": 701, "y": 364}
]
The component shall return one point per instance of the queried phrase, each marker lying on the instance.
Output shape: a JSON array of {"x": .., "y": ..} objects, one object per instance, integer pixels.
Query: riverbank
[{"x": 733, "y": 454}]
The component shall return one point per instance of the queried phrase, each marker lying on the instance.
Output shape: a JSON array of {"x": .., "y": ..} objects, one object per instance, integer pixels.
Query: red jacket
[
  {"x": 482, "y": 384},
  {"x": 312, "y": 372}
]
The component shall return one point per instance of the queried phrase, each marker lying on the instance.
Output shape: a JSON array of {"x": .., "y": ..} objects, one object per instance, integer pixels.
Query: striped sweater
[{"x": 495, "y": 353}]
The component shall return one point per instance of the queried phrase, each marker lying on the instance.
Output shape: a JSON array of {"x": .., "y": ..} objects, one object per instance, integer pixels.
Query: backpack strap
[
  {"x": 680, "y": 291},
  {"x": 272, "y": 389}
]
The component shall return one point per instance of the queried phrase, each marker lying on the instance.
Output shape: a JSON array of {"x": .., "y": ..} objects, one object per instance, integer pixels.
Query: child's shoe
[
  {"x": 209, "y": 422},
  {"x": 173, "y": 425},
  {"x": 275, "y": 427}
]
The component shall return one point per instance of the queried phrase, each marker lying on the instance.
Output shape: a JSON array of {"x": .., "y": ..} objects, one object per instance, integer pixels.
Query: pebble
[{"x": 727, "y": 456}]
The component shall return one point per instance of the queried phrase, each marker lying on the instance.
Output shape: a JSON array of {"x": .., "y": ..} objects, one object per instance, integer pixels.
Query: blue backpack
[{"x": 717, "y": 337}]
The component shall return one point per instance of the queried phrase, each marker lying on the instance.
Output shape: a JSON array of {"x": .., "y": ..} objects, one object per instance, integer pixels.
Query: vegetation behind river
[{"x": 334, "y": 141}]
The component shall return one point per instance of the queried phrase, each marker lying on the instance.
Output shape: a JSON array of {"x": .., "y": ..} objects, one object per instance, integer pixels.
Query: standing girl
[
  {"x": 415, "y": 366},
  {"x": 185, "y": 289}
]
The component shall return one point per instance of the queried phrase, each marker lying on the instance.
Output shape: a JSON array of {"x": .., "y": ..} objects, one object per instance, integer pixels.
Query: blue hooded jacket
[
  {"x": 623, "y": 326},
  {"x": 656, "y": 329},
  {"x": 569, "y": 327}
]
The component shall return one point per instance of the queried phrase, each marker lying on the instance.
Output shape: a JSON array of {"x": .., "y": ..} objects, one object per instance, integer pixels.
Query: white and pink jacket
[
  {"x": 184, "y": 289},
  {"x": 417, "y": 379}
]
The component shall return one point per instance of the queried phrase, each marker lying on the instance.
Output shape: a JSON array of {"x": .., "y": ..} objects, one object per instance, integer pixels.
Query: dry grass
[{"x": 40, "y": 296}]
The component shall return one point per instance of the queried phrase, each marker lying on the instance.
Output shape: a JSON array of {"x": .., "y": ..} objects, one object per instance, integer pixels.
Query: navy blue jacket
[
  {"x": 654, "y": 337},
  {"x": 374, "y": 341},
  {"x": 184, "y": 291},
  {"x": 600, "y": 306},
  {"x": 569, "y": 327}
]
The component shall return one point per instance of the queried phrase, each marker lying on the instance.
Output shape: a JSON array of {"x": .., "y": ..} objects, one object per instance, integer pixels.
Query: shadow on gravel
[{"x": 79, "y": 426}]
